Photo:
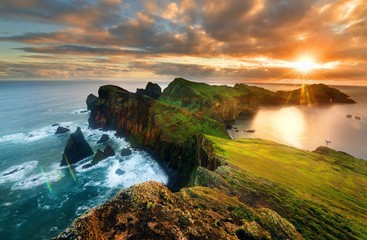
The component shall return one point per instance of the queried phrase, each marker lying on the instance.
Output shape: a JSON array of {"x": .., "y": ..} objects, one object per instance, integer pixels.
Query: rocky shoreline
[{"x": 176, "y": 126}]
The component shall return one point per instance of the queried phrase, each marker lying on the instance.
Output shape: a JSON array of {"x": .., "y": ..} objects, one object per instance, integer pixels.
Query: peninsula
[{"x": 223, "y": 188}]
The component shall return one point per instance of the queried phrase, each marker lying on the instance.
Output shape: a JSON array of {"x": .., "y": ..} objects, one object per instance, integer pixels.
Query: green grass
[
  {"x": 178, "y": 124},
  {"x": 329, "y": 190}
]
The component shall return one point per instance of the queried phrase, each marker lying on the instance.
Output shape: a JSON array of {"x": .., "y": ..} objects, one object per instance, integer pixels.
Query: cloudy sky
[{"x": 204, "y": 40}]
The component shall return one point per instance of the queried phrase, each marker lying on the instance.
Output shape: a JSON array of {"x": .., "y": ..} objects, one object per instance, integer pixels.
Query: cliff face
[
  {"x": 151, "y": 211},
  {"x": 185, "y": 128},
  {"x": 154, "y": 125}
]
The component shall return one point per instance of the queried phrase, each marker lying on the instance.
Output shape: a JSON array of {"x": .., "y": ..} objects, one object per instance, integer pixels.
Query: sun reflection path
[
  {"x": 70, "y": 168},
  {"x": 288, "y": 121},
  {"x": 46, "y": 180}
]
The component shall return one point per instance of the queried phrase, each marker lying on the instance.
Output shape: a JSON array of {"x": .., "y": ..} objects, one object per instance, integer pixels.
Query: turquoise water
[{"x": 31, "y": 154}]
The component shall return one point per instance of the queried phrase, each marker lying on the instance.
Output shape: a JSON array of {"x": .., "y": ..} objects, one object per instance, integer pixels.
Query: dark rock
[
  {"x": 357, "y": 118},
  {"x": 91, "y": 100},
  {"x": 76, "y": 148},
  {"x": 152, "y": 90},
  {"x": 251, "y": 131},
  {"x": 83, "y": 111},
  {"x": 99, "y": 156},
  {"x": 119, "y": 172},
  {"x": 125, "y": 152},
  {"x": 349, "y": 116},
  {"x": 13, "y": 171},
  {"x": 104, "y": 138},
  {"x": 108, "y": 151},
  {"x": 62, "y": 130},
  {"x": 55, "y": 124}
]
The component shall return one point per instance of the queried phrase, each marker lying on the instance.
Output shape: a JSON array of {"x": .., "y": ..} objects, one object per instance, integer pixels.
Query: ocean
[
  {"x": 38, "y": 198},
  {"x": 308, "y": 127}
]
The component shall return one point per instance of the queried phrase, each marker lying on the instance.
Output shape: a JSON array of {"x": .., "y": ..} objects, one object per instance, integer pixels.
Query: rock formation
[
  {"x": 125, "y": 152},
  {"x": 91, "y": 99},
  {"x": 62, "y": 130},
  {"x": 104, "y": 138},
  {"x": 150, "y": 211},
  {"x": 152, "y": 90},
  {"x": 76, "y": 149},
  {"x": 185, "y": 128},
  {"x": 99, "y": 156}
]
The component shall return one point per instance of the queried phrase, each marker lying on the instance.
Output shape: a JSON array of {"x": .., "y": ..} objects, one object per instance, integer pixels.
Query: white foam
[
  {"x": 138, "y": 168},
  {"x": 7, "y": 204},
  {"x": 38, "y": 179},
  {"x": 81, "y": 111},
  {"x": 15, "y": 137},
  {"x": 101, "y": 164},
  {"x": 23, "y": 170}
]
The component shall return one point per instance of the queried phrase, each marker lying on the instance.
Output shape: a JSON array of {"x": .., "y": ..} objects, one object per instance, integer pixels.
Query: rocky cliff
[
  {"x": 219, "y": 197},
  {"x": 151, "y": 211}
]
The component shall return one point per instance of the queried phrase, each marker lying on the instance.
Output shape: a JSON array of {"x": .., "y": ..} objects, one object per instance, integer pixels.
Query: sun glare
[{"x": 305, "y": 65}]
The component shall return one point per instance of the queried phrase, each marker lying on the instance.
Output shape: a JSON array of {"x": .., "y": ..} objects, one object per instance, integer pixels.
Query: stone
[
  {"x": 76, "y": 149},
  {"x": 104, "y": 138},
  {"x": 62, "y": 130},
  {"x": 119, "y": 172},
  {"x": 125, "y": 152},
  {"x": 99, "y": 156}
]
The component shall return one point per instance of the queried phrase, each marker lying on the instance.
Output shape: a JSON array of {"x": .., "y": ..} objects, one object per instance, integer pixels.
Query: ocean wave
[
  {"x": 138, "y": 168},
  {"x": 17, "y": 172},
  {"x": 38, "y": 179}
]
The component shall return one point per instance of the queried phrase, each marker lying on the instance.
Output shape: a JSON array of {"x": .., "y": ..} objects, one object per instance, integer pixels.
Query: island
[{"x": 223, "y": 188}]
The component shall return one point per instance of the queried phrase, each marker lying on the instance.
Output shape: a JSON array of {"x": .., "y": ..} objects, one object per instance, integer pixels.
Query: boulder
[
  {"x": 99, "y": 156},
  {"x": 62, "y": 130},
  {"x": 104, "y": 138},
  {"x": 91, "y": 99},
  {"x": 119, "y": 171},
  {"x": 125, "y": 152},
  {"x": 76, "y": 148}
]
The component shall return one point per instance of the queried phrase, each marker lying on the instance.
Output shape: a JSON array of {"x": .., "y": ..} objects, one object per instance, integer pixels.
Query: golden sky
[{"x": 203, "y": 40}]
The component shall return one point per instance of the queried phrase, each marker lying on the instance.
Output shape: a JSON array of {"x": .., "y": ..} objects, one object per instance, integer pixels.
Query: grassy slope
[
  {"x": 331, "y": 195},
  {"x": 178, "y": 124}
]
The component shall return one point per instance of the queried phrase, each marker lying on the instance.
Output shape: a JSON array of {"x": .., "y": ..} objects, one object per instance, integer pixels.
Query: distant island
[{"x": 222, "y": 188}]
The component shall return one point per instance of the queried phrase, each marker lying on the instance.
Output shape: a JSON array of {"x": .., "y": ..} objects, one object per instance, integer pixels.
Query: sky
[{"x": 283, "y": 41}]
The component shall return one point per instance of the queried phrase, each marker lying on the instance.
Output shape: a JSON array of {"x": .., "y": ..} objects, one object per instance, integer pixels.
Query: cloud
[
  {"x": 278, "y": 30},
  {"x": 76, "y": 49},
  {"x": 71, "y": 12}
]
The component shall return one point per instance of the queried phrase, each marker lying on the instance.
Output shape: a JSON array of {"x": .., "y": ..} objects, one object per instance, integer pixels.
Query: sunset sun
[{"x": 305, "y": 65}]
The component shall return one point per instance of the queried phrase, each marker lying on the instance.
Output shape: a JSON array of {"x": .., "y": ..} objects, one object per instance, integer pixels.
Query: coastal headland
[{"x": 222, "y": 188}]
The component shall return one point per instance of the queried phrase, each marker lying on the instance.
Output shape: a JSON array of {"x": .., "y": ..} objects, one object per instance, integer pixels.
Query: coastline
[{"x": 198, "y": 161}]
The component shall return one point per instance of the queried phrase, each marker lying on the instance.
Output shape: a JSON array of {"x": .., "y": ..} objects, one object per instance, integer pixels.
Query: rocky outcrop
[
  {"x": 91, "y": 100},
  {"x": 76, "y": 149},
  {"x": 125, "y": 152},
  {"x": 150, "y": 211},
  {"x": 62, "y": 130},
  {"x": 99, "y": 156},
  {"x": 152, "y": 90},
  {"x": 104, "y": 138}
]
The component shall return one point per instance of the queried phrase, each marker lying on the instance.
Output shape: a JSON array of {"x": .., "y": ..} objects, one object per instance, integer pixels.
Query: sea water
[
  {"x": 310, "y": 126},
  {"x": 38, "y": 198}
]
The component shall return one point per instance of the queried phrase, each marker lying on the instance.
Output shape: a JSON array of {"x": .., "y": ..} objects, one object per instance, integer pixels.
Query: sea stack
[{"x": 76, "y": 148}]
